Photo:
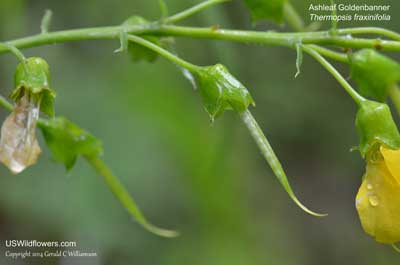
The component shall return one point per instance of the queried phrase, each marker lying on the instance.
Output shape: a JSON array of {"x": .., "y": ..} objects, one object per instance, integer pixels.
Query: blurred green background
[{"x": 206, "y": 180}]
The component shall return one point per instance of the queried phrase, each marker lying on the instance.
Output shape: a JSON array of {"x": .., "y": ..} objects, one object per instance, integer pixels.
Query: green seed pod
[
  {"x": 32, "y": 77},
  {"x": 375, "y": 125},
  {"x": 221, "y": 91},
  {"x": 374, "y": 73},
  {"x": 138, "y": 52}
]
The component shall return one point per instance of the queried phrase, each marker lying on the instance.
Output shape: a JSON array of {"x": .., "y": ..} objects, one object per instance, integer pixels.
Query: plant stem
[
  {"x": 293, "y": 18},
  {"x": 192, "y": 10},
  {"x": 337, "y": 56},
  {"x": 271, "y": 158},
  {"x": 334, "y": 21},
  {"x": 46, "y": 21},
  {"x": 124, "y": 197},
  {"x": 166, "y": 54},
  {"x": 254, "y": 37},
  {"x": 349, "y": 89},
  {"x": 276, "y": 38},
  {"x": 20, "y": 56},
  {"x": 5, "y": 104},
  {"x": 394, "y": 93},
  {"x": 371, "y": 30}
]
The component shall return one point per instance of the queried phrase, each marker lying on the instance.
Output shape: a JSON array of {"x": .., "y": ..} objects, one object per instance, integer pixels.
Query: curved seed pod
[{"x": 270, "y": 156}]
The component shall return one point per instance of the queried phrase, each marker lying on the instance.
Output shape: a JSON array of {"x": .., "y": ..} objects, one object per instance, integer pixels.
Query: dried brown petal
[{"x": 19, "y": 147}]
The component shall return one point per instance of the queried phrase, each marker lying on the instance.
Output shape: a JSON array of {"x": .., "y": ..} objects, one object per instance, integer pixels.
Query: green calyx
[
  {"x": 33, "y": 77},
  {"x": 67, "y": 141},
  {"x": 136, "y": 51},
  {"x": 375, "y": 125},
  {"x": 221, "y": 91},
  {"x": 374, "y": 73}
]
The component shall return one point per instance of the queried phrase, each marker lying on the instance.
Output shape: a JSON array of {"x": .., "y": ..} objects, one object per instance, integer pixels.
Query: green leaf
[
  {"x": 33, "y": 77},
  {"x": 374, "y": 73},
  {"x": 138, "y": 52},
  {"x": 375, "y": 125},
  {"x": 266, "y": 9},
  {"x": 67, "y": 141},
  {"x": 221, "y": 91}
]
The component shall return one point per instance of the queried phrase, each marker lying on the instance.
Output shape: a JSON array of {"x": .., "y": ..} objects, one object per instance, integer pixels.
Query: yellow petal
[
  {"x": 378, "y": 203},
  {"x": 392, "y": 160}
]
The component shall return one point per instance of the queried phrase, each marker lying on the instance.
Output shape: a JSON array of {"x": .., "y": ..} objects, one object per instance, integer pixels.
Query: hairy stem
[{"x": 349, "y": 89}]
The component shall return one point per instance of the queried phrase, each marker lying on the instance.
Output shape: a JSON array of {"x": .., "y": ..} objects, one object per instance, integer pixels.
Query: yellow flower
[{"x": 378, "y": 199}]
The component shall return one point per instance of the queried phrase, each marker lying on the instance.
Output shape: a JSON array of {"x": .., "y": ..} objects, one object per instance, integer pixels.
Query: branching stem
[
  {"x": 166, "y": 54},
  {"x": 349, "y": 89},
  {"x": 192, "y": 10}
]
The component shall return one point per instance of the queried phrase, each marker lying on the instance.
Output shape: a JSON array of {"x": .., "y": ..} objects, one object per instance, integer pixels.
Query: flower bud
[
  {"x": 221, "y": 91},
  {"x": 32, "y": 78},
  {"x": 374, "y": 73},
  {"x": 19, "y": 147},
  {"x": 376, "y": 126}
]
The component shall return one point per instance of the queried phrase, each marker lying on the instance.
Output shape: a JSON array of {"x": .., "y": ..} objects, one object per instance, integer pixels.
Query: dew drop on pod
[
  {"x": 19, "y": 147},
  {"x": 374, "y": 73},
  {"x": 378, "y": 198}
]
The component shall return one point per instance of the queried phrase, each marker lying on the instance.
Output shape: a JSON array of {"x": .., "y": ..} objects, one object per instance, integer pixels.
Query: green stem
[
  {"x": 371, "y": 30},
  {"x": 293, "y": 18},
  {"x": 337, "y": 56},
  {"x": 271, "y": 158},
  {"x": 46, "y": 21},
  {"x": 276, "y": 38},
  {"x": 125, "y": 198},
  {"x": 349, "y": 89},
  {"x": 334, "y": 21},
  {"x": 192, "y": 10},
  {"x": 14, "y": 50},
  {"x": 166, "y": 54},
  {"x": 5, "y": 104},
  {"x": 394, "y": 93},
  {"x": 253, "y": 37}
]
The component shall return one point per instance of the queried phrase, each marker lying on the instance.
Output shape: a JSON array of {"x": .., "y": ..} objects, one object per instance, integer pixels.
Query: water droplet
[
  {"x": 369, "y": 186},
  {"x": 373, "y": 200}
]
